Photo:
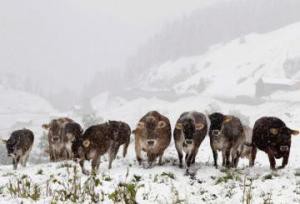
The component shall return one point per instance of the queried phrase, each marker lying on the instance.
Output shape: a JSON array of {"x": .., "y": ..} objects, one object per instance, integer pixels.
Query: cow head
[
  {"x": 189, "y": 128},
  {"x": 55, "y": 131},
  {"x": 151, "y": 129},
  {"x": 79, "y": 148},
  {"x": 11, "y": 146},
  {"x": 216, "y": 121}
]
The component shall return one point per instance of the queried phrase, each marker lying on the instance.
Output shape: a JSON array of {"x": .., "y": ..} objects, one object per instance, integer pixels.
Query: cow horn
[
  {"x": 274, "y": 131},
  {"x": 179, "y": 126},
  {"x": 140, "y": 125},
  {"x": 199, "y": 126},
  {"x": 3, "y": 141},
  {"x": 162, "y": 124},
  {"x": 86, "y": 143},
  {"x": 227, "y": 119}
]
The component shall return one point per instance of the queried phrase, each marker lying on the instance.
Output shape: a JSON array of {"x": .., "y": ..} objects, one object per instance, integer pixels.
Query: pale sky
[{"x": 67, "y": 41}]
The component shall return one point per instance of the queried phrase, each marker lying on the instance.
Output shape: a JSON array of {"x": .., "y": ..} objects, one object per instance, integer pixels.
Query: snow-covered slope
[{"x": 232, "y": 69}]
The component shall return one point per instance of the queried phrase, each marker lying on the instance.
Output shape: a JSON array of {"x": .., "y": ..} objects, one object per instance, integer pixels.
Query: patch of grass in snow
[
  {"x": 168, "y": 174},
  {"x": 229, "y": 175},
  {"x": 125, "y": 192},
  {"x": 24, "y": 187},
  {"x": 269, "y": 176},
  {"x": 40, "y": 172}
]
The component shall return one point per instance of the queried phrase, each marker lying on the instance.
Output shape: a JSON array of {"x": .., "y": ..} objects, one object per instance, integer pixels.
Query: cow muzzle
[
  {"x": 151, "y": 142},
  {"x": 284, "y": 148},
  {"x": 188, "y": 141},
  {"x": 216, "y": 133}
]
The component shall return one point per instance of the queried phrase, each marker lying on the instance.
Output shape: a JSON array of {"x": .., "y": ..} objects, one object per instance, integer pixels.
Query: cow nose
[
  {"x": 215, "y": 132},
  {"x": 188, "y": 141},
  {"x": 151, "y": 142}
]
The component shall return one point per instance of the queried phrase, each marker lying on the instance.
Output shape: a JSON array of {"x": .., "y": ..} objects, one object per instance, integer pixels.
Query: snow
[{"x": 215, "y": 80}]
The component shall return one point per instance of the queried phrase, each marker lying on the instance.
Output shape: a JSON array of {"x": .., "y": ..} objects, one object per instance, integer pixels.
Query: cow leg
[
  {"x": 179, "y": 152},
  {"x": 235, "y": 156},
  {"x": 95, "y": 165},
  {"x": 285, "y": 160},
  {"x": 160, "y": 161},
  {"x": 215, "y": 154},
  {"x": 16, "y": 162},
  {"x": 84, "y": 171},
  {"x": 226, "y": 157},
  {"x": 138, "y": 152},
  {"x": 151, "y": 158},
  {"x": 125, "y": 147},
  {"x": 112, "y": 155},
  {"x": 194, "y": 156},
  {"x": 253, "y": 156},
  {"x": 271, "y": 159}
]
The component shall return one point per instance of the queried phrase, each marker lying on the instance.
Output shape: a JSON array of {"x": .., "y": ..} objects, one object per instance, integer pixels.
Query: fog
[{"x": 69, "y": 51}]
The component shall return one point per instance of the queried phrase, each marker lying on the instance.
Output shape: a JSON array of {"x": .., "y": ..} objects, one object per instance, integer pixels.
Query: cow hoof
[{"x": 86, "y": 172}]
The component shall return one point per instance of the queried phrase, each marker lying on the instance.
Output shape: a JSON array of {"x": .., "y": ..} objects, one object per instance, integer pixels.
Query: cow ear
[
  {"x": 46, "y": 126},
  {"x": 274, "y": 131},
  {"x": 86, "y": 143},
  {"x": 3, "y": 141},
  {"x": 179, "y": 126},
  {"x": 162, "y": 124},
  {"x": 140, "y": 125},
  {"x": 199, "y": 126},
  {"x": 294, "y": 132},
  {"x": 227, "y": 119}
]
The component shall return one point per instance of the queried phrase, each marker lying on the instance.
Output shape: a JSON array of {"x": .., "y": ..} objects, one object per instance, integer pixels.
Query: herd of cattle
[{"x": 67, "y": 140}]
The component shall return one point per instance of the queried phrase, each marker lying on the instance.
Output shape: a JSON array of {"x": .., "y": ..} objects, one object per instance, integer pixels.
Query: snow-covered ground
[{"x": 215, "y": 82}]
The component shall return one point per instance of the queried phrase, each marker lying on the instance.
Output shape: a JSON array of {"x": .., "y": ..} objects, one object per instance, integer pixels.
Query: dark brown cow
[
  {"x": 94, "y": 143},
  {"x": 190, "y": 131},
  {"x": 153, "y": 136},
  {"x": 71, "y": 132},
  {"x": 19, "y": 146},
  {"x": 271, "y": 135},
  {"x": 120, "y": 135}
]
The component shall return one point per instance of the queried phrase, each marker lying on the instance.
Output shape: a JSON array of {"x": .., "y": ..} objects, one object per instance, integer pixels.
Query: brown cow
[
  {"x": 153, "y": 136},
  {"x": 55, "y": 129},
  {"x": 190, "y": 131}
]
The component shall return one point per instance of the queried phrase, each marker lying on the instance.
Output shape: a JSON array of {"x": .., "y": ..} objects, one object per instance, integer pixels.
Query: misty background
[{"x": 70, "y": 51}]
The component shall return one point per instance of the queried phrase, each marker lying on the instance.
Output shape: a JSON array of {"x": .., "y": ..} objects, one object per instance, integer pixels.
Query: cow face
[
  {"x": 55, "y": 132},
  {"x": 11, "y": 146},
  {"x": 78, "y": 149},
  {"x": 189, "y": 128},
  {"x": 216, "y": 121},
  {"x": 151, "y": 130}
]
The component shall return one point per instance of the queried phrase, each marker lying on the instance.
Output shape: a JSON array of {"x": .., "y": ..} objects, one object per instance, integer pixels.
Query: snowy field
[{"x": 214, "y": 82}]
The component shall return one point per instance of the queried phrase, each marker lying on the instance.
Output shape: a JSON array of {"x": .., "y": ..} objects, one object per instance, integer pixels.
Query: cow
[
  {"x": 120, "y": 135},
  {"x": 271, "y": 135},
  {"x": 19, "y": 146},
  {"x": 56, "y": 139},
  {"x": 94, "y": 143},
  {"x": 70, "y": 132},
  {"x": 226, "y": 133},
  {"x": 191, "y": 129},
  {"x": 153, "y": 136}
]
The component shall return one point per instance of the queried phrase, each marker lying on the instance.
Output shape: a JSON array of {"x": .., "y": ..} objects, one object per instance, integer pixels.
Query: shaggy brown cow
[
  {"x": 94, "y": 143},
  {"x": 153, "y": 136},
  {"x": 120, "y": 135},
  {"x": 271, "y": 135},
  {"x": 190, "y": 131},
  {"x": 226, "y": 134},
  {"x": 19, "y": 146},
  {"x": 55, "y": 129}
]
